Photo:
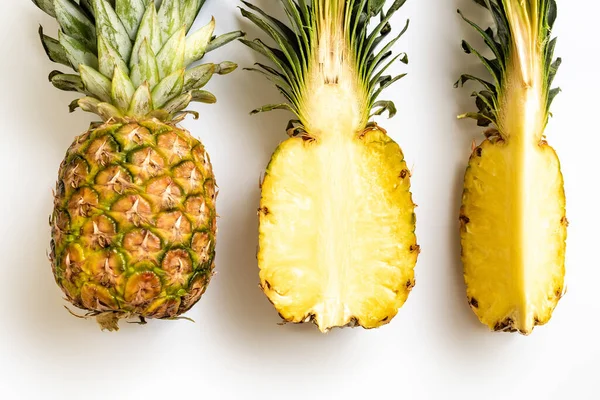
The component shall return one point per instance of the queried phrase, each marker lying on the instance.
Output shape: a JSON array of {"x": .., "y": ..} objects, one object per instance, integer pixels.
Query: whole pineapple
[
  {"x": 513, "y": 220},
  {"x": 337, "y": 241},
  {"x": 133, "y": 226}
]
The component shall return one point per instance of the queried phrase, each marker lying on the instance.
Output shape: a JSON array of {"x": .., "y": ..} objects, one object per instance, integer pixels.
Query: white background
[{"x": 435, "y": 348}]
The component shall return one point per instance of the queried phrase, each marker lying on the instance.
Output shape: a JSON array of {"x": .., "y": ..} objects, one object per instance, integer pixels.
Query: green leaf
[
  {"x": 552, "y": 95},
  {"x": 130, "y": 13},
  {"x": 179, "y": 103},
  {"x": 88, "y": 9},
  {"x": 122, "y": 90},
  {"x": 46, "y": 6},
  {"x": 95, "y": 83},
  {"x": 88, "y": 104},
  {"x": 141, "y": 103},
  {"x": 385, "y": 84},
  {"x": 109, "y": 58},
  {"x": 169, "y": 18},
  {"x": 226, "y": 67},
  {"x": 271, "y": 107},
  {"x": 110, "y": 28},
  {"x": 66, "y": 82},
  {"x": 199, "y": 76},
  {"x": 146, "y": 70},
  {"x": 54, "y": 50},
  {"x": 148, "y": 31},
  {"x": 76, "y": 52},
  {"x": 283, "y": 43},
  {"x": 171, "y": 56},
  {"x": 223, "y": 40},
  {"x": 196, "y": 44},
  {"x": 203, "y": 96},
  {"x": 382, "y": 106},
  {"x": 168, "y": 88},
  {"x": 75, "y": 23},
  {"x": 189, "y": 12},
  {"x": 107, "y": 111}
]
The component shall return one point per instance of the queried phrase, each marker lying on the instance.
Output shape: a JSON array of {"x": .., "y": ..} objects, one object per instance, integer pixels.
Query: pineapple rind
[{"x": 134, "y": 222}]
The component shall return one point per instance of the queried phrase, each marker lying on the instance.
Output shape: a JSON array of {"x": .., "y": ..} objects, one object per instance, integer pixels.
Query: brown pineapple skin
[{"x": 134, "y": 221}]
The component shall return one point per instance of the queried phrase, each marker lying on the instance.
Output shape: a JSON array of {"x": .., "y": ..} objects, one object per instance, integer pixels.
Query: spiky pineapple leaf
[
  {"x": 297, "y": 43},
  {"x": 76, "y": 52},
  {"x": 199, "y": 76},
  {"x": 168, "y": 88},
  {"x": 109, "y": 58},
  {"x": 95, "y": 83},
  {"x": 130, "y": 13},
  {"x": 132, "y": 56},
  {"x": 141, "y": 103},
  {"x": 53, "y": 48},
  {"x": 146, "y": 70},
  {"x": 500, "y": 41},
  {"x": 189, "y": 12},
  {"x": 171, "y": 57},
  {"x": 111, "y": 28},
  {"x": 66, "y": 82},
  {"x": 46, "y": 6},
  {"x": 122, "y": 90},
  {"x": 75, "y": 23},
  {"x": 169, "y": 18},
  {"x": 196, "y": 44}
]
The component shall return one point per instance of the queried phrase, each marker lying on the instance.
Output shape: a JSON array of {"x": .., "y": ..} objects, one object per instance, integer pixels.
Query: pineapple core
[{"x": 337, "y": 242}]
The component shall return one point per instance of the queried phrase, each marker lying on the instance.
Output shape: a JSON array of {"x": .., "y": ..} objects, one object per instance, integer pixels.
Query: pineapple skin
[
  {"x": 134, "y": 222},
  {"x": 514, "y": 268},
  {"x": 375, "y": 280}
]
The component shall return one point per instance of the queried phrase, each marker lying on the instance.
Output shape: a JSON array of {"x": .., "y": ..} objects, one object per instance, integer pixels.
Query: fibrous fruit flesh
[
  {"x": 513, "y": 221},
  {"x": 336, "y": 238},
  {"x": 133, "y": 226}
]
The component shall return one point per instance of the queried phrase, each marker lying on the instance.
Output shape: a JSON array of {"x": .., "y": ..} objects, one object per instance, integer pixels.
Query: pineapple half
[
  {"x": 513, "y": 222},
  {"x": 133, "y": 226},
  {"x": 337, "y": 241}
]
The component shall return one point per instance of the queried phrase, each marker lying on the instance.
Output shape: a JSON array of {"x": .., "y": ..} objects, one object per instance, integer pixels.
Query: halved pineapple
[
  {"x": 337, "y": 243},
  {"x": 337, "y": 240},
  {"x": 513, "y": 222}
]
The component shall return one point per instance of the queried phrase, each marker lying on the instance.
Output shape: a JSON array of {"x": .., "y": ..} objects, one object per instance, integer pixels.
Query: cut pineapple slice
[
  {"x": 337, "y": 242},
  {"x": 513, "y": 234}
]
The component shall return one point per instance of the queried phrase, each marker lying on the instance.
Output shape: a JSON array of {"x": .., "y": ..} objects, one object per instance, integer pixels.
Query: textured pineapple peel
[
  {"x": 337, "y": 243},
  {"x": 513, "y": 222}
]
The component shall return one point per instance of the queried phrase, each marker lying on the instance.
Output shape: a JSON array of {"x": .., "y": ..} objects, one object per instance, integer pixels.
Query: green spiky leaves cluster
[
  {"x": 297, "y": 43},
  {"x": 530, "y": 19},
  {"x": 132, "y": 57}
]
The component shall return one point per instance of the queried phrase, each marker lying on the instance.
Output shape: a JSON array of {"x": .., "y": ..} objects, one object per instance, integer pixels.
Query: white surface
[{"x": 435, "y": 348}]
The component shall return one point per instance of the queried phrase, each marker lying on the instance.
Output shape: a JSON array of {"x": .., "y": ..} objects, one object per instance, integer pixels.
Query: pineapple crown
[
  {"x": 132, "y": 58},
  {"x": 335, "y": 24},
  {"x": 522, "y": 36}
]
